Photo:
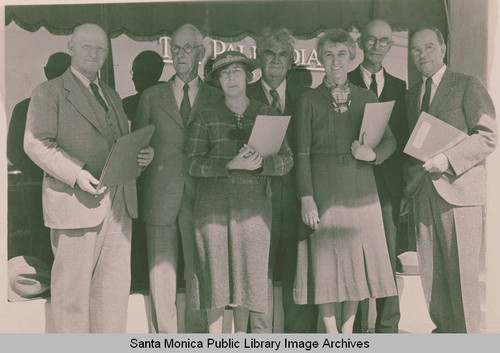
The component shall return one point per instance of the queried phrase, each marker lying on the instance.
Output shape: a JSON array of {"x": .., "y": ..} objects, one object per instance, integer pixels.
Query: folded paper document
[
  {"x": 121, "y": 164},
  {"x": 375, "y": 119},
  {"x": 432, "y": 136},
  {"x": 268, "y": 133}
]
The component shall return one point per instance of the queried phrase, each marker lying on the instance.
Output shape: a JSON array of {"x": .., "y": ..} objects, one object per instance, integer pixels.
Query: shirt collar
[
  {"x": 280, "y": 89},
  {"x": 86, "y": 82},
  {"x": 368, "y": 74},
  {"x": 437, "y": 77},
  {"x": 193, "y": 84}
]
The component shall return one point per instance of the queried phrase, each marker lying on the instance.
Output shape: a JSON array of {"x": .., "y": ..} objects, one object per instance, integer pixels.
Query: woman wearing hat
[
  {"x": 342, "y": 254},
  {"x": 232, "y": 214}
]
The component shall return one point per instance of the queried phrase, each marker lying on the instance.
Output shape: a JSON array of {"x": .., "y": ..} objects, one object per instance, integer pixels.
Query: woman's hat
[
  {"x": 227, "y": 58},
  {"x": 29, "y": 278}
]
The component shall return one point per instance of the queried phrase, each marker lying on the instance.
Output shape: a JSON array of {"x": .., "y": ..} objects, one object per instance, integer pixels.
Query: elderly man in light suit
[
  {"x": 168, "y": 189},
  {"x": 448, "y": 192},
  {"x": 72, "y": 123}
]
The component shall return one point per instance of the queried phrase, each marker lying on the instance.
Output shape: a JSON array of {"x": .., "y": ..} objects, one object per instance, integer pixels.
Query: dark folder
[{"x": 121, "y": 164}]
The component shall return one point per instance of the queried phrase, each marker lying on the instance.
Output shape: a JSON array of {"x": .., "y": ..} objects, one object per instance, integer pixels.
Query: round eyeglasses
[
  {"x": 236, "y": 72},
  {"x": 383, "y": 42},
  {"x": 188, "y": 48}
]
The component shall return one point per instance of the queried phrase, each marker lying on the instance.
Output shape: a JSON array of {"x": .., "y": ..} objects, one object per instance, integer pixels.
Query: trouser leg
[{"x": 162, "y": 261}]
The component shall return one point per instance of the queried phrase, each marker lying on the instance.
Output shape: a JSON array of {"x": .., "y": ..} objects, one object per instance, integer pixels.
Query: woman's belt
[{"x": 340, "y": 159}]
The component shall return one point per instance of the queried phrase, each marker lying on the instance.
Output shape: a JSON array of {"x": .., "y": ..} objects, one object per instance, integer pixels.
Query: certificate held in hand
[
  {"x": 268, "y": 133},
  {"x": 375, "y": 119},
  {"x": 432, "y": 136},
  {"x": 121, "y": 164}
]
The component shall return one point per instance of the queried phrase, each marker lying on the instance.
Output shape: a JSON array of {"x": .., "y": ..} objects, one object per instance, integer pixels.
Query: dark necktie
[
  {"x": 98, "y": 96},
  {"x": 276, "y": 100},
  {"x": 185, "y": 108},
  {"x": 427, "y": 96},
  {"x": 373, "y": 85}
]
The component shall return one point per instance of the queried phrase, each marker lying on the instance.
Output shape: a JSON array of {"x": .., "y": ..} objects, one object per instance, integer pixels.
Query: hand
[
  {"x": 248, "y": 150},
  {"x": 145, "y": 156},
  {"x": 85, "y": 181},
  {"x": 247, "y": 159},
  {"x": 310, "y": 215},
  {"x": 437, "y": 164},
  {"x": 361, "y": 151}
]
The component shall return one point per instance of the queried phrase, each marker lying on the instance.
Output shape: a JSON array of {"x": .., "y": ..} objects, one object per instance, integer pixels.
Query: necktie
[
  {"x": 185, "y": 107},
  {"x": 427, "y": 96},
  {"x": 98, "y": 96},
  {"x": 373, "y": 85},
  {"x": 276, "y": 100}
]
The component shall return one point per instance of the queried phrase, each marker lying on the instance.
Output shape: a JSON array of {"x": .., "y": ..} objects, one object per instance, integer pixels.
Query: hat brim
[
  {"x": 13, "y": 296},
  {"x": 252, "y": 64}
]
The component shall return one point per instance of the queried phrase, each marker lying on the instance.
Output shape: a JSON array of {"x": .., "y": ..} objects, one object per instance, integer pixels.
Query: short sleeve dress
[{"x": 346, "y": 258}]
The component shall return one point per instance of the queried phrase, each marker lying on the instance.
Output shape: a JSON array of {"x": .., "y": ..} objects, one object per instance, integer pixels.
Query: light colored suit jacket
[
  {"x": 164, "y": 179},
  {"x": 64, "y": 133},
  {"x": 464, "y": 103}
]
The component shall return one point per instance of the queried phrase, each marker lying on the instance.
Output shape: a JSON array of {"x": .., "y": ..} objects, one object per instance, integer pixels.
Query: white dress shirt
[
  {"x": 281, "y": 89},
  {"x": 86, "y": 82},
  {"x": 436, "y": 80},
  {"x": 178, "y": 88},
  {"x": 379, "y": 78}
]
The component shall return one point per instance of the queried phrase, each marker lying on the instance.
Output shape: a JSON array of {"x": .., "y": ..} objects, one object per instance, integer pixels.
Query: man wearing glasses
[
  {"x": 376, "y": 41},
  {"x": 168, "y": 190}
]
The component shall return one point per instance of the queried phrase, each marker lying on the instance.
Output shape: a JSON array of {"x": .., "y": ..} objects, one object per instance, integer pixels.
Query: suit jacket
[
  {"x": 65, "y": 133},
  {"x": 292, "y": 93},
  {"x": 15, "y": 138},
  {"x": 464, "y": 103},
  {"x": 164, "y": 179},
  {"x": 394, "y": 89}
]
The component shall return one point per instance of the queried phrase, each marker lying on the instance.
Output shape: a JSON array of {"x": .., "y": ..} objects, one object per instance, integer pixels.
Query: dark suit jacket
[
  {"x": 292, "y": 93},
  {"x": 64, "y": 133},
  {"x": 15, "y": 139},
  {"x": 164, "y": 179},
  {"x": 464, "y": 103},
  {"x": 394, "y": 89}
]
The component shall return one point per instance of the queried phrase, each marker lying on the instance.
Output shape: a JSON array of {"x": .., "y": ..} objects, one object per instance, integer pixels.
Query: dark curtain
[{"x": 229, "y": 21}]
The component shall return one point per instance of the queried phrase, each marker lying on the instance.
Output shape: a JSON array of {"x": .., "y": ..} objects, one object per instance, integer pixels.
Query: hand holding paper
[
  {"x": 437, "y": 164},
  {"x": 362, "y": 151},
  {"x": 375, "y": 120}
]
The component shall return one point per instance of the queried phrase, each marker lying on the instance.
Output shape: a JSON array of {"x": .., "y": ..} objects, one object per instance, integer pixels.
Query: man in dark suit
[
  {"x": 168, "y": 190},
  {"x": 275, "y": 53},
  {"x": 147, "y": 68},
  {"x": 72, "y": 123},
  {"x": 376, "y": 41},
  {"x": 448, "y": 192}
]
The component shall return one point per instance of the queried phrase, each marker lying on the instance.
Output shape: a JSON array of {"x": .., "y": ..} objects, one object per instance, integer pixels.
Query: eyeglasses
[
  {"x": 383, "y": 42},
  {"x": 429, "y": 48},
  {"x": 188, "y": 48},
  {"x": 236, "y": 72}
]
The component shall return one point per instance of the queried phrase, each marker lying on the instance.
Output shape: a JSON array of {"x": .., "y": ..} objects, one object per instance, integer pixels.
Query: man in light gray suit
[
  {"x": 72, "y": 123},
  {"x": 168, "y": 189},
  {"x": 448, "y": 192}
]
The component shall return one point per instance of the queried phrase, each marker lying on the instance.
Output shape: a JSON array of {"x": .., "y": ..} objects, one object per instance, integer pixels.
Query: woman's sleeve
[
  {"x": 386, "y": 147},
  {"x": 303, "y": 138},
  {"x": 200, "y": 164},
  {"x": 280, "y": 163}
]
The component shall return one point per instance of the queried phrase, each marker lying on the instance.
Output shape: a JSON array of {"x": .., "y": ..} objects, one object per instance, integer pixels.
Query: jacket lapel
[
  {"x": 80, "y": 99},
  {"x": 356, "y": 77},
  {"x": 169, "y": 105},
  {"x": 413, "y": 104},
  {"x": 443, "y": 92}
]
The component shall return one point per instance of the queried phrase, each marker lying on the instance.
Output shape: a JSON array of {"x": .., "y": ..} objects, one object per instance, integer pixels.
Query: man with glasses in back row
[
  {"x": 168, "y": 190},
  {"x": 376, "y": 41}
]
